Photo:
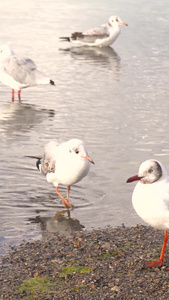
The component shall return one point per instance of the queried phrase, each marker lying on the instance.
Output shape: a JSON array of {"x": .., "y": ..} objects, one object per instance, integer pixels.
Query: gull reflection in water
[
  {"x": 104, "y": 56},
  {"x": 19, "y": 117},
  {"x": 61, "y": 222}
]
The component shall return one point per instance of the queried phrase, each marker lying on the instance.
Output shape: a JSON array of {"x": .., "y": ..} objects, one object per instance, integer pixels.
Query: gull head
[
  {"x": 116, "y": 20},
  {"x": 5, "y": 52},
  {"x": 150, "y": 171},
  {"x": 77, "y": 150}
]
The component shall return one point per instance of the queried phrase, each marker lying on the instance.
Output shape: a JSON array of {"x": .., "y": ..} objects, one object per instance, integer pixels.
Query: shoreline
[{"x": 96, "y": 264}]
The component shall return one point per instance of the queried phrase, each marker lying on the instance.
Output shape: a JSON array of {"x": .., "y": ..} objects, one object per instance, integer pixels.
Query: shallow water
[{"x": 115, "y": 99}]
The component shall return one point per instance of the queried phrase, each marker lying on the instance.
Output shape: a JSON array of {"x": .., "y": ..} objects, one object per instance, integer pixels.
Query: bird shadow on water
[
  {"x": 65, "y": 220},
  {"x": 104, "y": 56},
  {"x": 21, "y": 117},
  {"x": 61, "y": 222}
]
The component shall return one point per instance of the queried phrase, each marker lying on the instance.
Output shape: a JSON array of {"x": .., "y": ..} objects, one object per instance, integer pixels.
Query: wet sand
[{"x": 100, "y": 264}]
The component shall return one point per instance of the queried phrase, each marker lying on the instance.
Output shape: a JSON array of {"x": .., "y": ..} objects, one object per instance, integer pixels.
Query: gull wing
[
  {"x": 91, "y": 35},
  {"x": 49, "y": 158},
  {"x": 21, "y": 69}
]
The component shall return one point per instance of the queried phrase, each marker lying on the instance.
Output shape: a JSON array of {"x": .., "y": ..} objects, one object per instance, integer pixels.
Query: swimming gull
[{"x": 103, "y": 36}]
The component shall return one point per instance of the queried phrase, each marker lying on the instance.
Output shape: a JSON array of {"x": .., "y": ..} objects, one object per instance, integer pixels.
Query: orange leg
[
  {"x": 68, "y": 192},
  {"x": 13, "y": 93},
  {"x": 19, "y": 95},
  {"x": 65, "y": 201},
  {"x": 158, "y": 263}
]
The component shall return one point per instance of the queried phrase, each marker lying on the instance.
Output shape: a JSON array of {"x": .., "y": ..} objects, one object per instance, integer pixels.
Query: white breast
[{"x": 151, "y": 202}]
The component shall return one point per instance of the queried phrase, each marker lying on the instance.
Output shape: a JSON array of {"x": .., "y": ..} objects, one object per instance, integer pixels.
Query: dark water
[{"x": 115, "y": 99}]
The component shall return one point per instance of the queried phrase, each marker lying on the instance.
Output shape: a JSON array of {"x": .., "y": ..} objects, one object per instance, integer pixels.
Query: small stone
[{"x": 115, "y": 289}]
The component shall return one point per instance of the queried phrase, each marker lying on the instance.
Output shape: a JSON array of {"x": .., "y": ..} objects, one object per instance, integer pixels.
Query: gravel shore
[{"x": 100, "y": 264}]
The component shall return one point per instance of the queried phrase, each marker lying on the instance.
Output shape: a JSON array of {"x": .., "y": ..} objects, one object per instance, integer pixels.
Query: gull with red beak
[
  {"x": 66, "y": 163},
  {"x": 151, "y": 199},
  {"x": 103, "y": 36}
]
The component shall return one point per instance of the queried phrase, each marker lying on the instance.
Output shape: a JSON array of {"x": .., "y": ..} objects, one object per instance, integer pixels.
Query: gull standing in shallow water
[
  {"x": 151, "y": 199},
  {"x": 65, "y": 163},
  {"x": 103, "y": 36},
  {"x": 19, "y": 73}
]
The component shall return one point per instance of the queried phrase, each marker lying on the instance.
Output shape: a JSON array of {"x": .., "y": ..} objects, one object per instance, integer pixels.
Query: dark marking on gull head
[{"x": 150, "y": 171}]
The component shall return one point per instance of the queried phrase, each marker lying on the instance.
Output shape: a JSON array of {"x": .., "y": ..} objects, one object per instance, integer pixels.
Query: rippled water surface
[{"x": 115, "y": 99}]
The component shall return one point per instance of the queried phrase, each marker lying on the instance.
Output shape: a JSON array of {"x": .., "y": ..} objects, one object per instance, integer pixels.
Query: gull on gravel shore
[
  {"x": 18, "y": 72},
  {"x": 151, "y": 199},
  {"x": 103, "y": 36},
  {"x": 66, "y": 163}
]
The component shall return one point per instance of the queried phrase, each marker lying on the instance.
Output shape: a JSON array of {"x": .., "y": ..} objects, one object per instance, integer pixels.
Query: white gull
[
  {"x": 66, "y": 163},
  {"x": 103, "y": 36},
  {"x": 151, "y": 199},
  {"x": 18, "y": 72}
]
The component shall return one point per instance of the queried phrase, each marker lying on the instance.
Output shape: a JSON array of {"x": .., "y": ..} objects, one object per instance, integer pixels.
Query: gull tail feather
[
  {"x": 51, "y": 82},
  {"x": 65, "y": 38},
  {"x": 38, "y": 163},
  {"x": 35, "y": 157}
]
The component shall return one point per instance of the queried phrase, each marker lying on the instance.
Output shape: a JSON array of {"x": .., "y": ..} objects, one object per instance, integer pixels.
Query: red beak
[{"x": 134, "y": 178}]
